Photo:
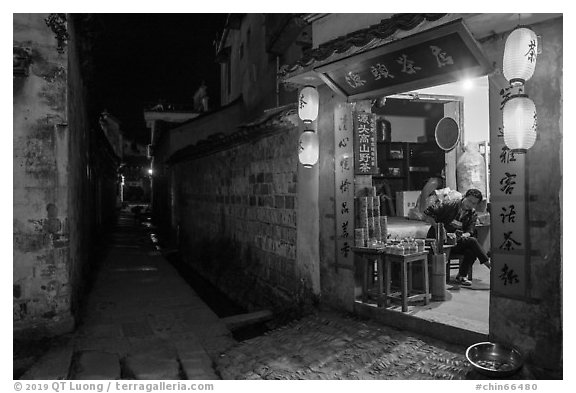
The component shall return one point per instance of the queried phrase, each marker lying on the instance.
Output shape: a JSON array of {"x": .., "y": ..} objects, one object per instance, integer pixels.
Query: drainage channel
[{"x": 221, "y": 304}]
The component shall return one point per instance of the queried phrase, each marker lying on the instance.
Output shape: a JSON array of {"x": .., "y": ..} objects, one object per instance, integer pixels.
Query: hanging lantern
[
  {"x": 308, "y": 148},
  {"x": 519, "y": 123},
  {"x": 308, "y": 104},
  {"x": 520, "y": 55}
]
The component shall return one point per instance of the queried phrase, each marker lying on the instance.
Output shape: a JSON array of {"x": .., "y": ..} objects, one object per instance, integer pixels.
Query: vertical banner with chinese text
[
  {"x": 508, "y": 197},
  {"x": 344, "y": 185},
  {"x": 365, "y": 161}
]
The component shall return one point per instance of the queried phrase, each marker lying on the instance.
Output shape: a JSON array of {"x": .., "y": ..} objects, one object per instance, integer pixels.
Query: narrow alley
[{"x": 142, "y": 320}]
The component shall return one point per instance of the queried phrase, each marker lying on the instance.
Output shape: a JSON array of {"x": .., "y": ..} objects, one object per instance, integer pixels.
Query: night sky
[{"x": 141, "y": 58}]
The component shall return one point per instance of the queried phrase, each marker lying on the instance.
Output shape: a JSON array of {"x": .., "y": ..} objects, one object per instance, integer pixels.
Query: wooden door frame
[{"x": 454, "y": 108}]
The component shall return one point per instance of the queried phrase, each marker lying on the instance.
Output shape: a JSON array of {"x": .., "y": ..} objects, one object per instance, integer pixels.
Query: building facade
[{"x": 272, "y": 233}]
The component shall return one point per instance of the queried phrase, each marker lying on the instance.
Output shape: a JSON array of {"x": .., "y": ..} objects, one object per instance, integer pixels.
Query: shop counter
[{"x": 377, "y": 262}]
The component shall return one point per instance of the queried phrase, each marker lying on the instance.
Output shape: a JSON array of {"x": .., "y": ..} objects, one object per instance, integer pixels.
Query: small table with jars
[{"x": 377, "y": 266}]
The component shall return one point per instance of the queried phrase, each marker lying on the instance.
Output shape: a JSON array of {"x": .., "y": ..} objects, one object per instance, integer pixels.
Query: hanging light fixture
[
  {"x": 308, "y": 104},
  {"x": 520, "y": 55},
  {"x": 308, "y": 148},
  {"x": 519, "y": 123}
]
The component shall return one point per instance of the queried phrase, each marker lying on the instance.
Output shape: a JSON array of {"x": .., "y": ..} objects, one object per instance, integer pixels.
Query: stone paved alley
[{"x": 143, "y": 321}]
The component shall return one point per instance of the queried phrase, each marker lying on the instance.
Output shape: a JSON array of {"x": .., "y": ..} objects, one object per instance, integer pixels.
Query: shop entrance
[{"x": 409, "y": 157}]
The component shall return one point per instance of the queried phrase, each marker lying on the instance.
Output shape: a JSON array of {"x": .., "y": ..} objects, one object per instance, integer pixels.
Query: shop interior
[{"x": 414, "y": 161}]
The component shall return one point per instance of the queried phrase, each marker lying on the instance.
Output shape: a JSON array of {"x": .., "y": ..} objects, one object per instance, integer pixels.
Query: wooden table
[
  {"x": 384, "y": 263},
  {"x": 405, "y": 260}
]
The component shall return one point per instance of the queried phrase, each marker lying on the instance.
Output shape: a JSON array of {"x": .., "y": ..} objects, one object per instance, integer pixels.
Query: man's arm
[
  {"x": 471, "y": 227},
  {"x": 429, "y": 219}
]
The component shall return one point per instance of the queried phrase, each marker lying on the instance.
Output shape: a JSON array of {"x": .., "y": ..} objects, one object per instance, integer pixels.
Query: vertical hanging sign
[
  {"x": 365, "y": 162},
  {"x": 509, "y": 201},
  {"x": 344, "y": 185}
]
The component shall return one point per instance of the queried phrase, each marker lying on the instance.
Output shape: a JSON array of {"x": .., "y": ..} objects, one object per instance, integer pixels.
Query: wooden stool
[{"x": 405, "y": 261}]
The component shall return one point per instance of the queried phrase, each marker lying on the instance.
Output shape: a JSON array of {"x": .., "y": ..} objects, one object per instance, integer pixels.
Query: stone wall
[
  {"x": 41, "y": 248},
  {"x": 64, "y": 181},
  {"x": 237, "y": 218},
  {"x": 534, "y": 322}
]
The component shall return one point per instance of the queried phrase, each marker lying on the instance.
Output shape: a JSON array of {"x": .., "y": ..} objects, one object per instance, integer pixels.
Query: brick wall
[{"x": 237, "y": 218}]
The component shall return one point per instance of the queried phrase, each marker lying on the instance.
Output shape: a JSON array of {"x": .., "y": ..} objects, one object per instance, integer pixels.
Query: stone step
[
  {"x": 53, "y": 365},
  {"x": 150, "y": 366},
  {"x": 96, "y": 365},
  {"x": 242, "y": 320}
]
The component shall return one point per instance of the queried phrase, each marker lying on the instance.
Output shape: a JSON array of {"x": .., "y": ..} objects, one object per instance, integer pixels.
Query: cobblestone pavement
[{"x": 329, "y": 346}]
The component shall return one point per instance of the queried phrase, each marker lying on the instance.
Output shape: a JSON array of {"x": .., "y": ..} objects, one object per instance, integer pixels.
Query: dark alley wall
[
  {"x": 42, "y": 287},
  {"x": 236, "y": 211},
  {"x": 64, "y": 181},
  {"x": 92, "y": 175}
]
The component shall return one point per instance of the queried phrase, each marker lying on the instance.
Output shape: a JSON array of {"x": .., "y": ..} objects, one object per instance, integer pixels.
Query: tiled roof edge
[
  {"x": 361, "y": 38},
  {"x": 269, "y": 123}
]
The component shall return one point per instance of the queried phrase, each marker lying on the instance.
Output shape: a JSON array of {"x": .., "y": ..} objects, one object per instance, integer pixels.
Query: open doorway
[{"x": 409, "y": 156}]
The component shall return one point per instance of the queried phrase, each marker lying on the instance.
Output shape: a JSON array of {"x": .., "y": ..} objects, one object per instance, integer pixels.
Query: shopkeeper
[{"x": 459, "y": 218}]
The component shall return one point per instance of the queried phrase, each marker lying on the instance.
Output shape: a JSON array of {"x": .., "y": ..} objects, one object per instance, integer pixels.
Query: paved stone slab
[
  {"x": 200, "y": 374},
  {"x": 108, "y": 330},
  {"x": 152, "y": 346},
  {"x": 54, "y": 365},
  {"x": 190, "y": 343},
  {"x": 196, "y": 364},
  {"x": 136, "y": 329},
  {"x": 152, "y": 367},
  {"x": 97, "y": 365},
  {"x": 192, "y": 366},
  {"x": 119, "y": 346}
]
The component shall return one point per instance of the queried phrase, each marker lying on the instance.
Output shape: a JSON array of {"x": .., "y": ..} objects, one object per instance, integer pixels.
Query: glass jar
[{"x": 420, "y": 245}]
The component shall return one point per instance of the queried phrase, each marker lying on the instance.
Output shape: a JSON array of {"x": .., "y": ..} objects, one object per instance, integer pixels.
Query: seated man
[{"x": 459, "y": 217}]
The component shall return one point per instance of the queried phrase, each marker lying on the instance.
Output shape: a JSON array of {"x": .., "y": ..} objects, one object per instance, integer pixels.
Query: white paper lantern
[
  {"x": 308, "y": 104},
  {"x": 520, "y": 55},
  {"x": 308, "y": 148},
  {"x": 519, "y": 123}
]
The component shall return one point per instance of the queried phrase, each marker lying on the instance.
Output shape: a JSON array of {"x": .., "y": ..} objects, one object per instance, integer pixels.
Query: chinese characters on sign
[
  {"x": 442, "y": 58},
  {"x": 365, "y": 160},
  {"x": 437, "y": 57},
  {"x": 403, "y": 65},
  {"x": 344, "y": 184},
  {"x": 508, "y": 276},
  {"x": 508, "y": 200},
  {"x": 353, "y": 79}
]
